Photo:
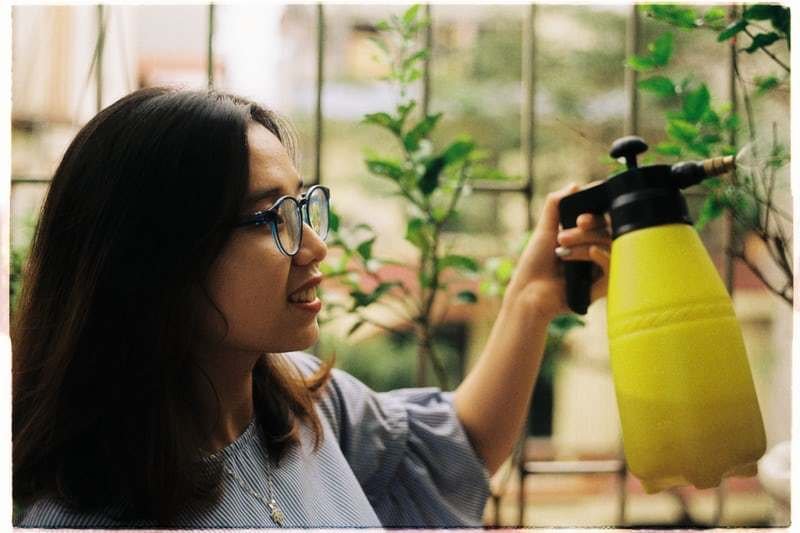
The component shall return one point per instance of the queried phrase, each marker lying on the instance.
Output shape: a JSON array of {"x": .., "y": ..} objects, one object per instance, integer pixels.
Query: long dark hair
[{"x": 140, "y": 206}]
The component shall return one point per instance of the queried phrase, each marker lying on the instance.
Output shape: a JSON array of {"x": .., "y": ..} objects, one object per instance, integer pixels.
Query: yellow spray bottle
[{"x": 685, "y": 393}]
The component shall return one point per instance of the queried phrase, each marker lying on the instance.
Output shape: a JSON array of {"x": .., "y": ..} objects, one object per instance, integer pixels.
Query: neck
[{"x": 228, "y": 405}]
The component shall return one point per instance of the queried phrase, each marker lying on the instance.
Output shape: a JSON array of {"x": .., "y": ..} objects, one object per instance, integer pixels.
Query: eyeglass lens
[
  {"x": 289, "y": 226},
  {"x": 290, "y": 221},
  {"x": 318, "y": 212}
]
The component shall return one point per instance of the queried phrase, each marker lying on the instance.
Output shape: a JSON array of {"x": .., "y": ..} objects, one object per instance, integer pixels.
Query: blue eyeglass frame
[{"x": 270, "y": 216}]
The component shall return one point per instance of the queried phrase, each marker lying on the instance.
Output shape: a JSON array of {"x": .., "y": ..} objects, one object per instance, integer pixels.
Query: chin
[{"x": 304, "y": 339}]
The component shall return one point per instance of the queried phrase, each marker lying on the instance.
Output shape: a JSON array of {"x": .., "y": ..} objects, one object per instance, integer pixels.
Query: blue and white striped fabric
[{"x": 395, "y": 459}]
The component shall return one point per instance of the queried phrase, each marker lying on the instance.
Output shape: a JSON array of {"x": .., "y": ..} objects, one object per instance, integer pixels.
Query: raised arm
[{"x": 493, "y": 399}]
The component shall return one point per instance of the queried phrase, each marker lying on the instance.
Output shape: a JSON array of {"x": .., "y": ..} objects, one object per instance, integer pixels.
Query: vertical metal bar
[
  {"x": 426, "y": 65},
  {"x": 496, "y": 501},
  {"x": 732, "y": 97},
  {"x": 98, "y": 71},
  {"x": 631, "y": 76},
  {"x": 318, "y": 103},
  {"x": 623, "y": 494},
  {"x": 521, "y": 494},
  {"x": 210, "y": 48},
  {"x": 528, "y": 105},
  {"x": 527, "y": 127},
  {"x": 730, "y": 236}
]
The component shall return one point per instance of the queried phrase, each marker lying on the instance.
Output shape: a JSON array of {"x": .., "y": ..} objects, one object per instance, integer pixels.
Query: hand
[{"x": 538, "y": 280}]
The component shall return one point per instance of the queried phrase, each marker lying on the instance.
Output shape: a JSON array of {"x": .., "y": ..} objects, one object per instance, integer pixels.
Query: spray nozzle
[{"x": 691, "y": 173}]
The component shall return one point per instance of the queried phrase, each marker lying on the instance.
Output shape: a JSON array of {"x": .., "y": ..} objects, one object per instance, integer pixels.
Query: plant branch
[
  {"x": 376, "y": 323},
  {"x": 770, "y": 54},
  {"x": 755, "y": 270}
]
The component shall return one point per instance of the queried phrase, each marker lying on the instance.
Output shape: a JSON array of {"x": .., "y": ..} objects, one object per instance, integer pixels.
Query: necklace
[{"x": 274, "y": 511}]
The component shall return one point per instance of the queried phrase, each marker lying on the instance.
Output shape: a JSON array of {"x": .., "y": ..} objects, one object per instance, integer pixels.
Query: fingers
[
  {"x": 601, "y": 257},
  {"x": 577, "y": 237},
  {"x": 586, "y": 252},
  {"x": 549, "y": 220}
]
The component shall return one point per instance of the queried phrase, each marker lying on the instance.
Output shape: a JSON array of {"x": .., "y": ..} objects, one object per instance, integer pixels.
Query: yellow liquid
[{"x": 687, "y": 403}]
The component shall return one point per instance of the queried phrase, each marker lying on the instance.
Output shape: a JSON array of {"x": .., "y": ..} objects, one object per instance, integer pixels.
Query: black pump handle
[{"x": 578, "y": 274}]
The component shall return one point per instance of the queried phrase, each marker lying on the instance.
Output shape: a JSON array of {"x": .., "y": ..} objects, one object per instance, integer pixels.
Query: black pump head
[
  {"x": 637, "y": 198},
  {"x": 628, "y": 147}
]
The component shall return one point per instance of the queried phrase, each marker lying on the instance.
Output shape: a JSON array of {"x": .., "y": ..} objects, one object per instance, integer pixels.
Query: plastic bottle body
[{"x": 686, "y": 397}]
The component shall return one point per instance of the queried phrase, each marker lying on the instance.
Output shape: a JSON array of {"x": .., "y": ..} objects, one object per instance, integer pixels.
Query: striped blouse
[{"x": 394, "y": 459}]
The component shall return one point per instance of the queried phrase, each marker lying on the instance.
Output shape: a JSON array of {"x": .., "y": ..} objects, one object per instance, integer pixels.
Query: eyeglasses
[{"x": 285, "y": 218}]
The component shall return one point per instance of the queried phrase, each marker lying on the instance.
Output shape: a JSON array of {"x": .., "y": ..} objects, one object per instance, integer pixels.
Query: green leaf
[
  {"x": 440, "y": 213},
  {"x": 660, "y": 85},
  {"x": 362, "y": 299},
  {"x": 668, "y": 148},
  {"x": 731, "y": 122},
  {"x": 404, "y": 109},
  {"x": 483, "y": 172},
  {"x": 382, "y": 25},
  {"x": 682, "y": 17},
  {"x": 365, "y": 249},
  {"x": 661, "y": 49},
  {"x": 430, "y": 179},
  {"x": 712, "y": 183},
  {"x": 762, "y": 40},
  {"x": 415, "y": 233},
  {"x": 680, "y": 130},
  {"x": 458, "y": 151},
  {"x": 459, "y": 262},
  {"x": 356, "y": 327},
  {"x": 385, "y": 167},
  {"x": 381, "y": 44},
  {"x": 761, "y": 12},
  {"x": 711, "y": 118},
  {"x": 765, "y": 83},
  {"x": 333, "y": 221},
  {"x": 712, "y": 209},
  {"x": 732, "y": 29},
  {"x": 781, "y": 20},
  {"x": 419, "y": 131},
  {"x": 467, "y": 297},
  {"x": 700, "y": 149},
  {"x": 710, "y": 138},
  {"x": 714, "y": 16},
  {"x": 696, "y": 103},
  {"x": 563, "y": 323},
  {"x": 410, "y": 14},
  {"x": 422, "y": 54},
  {"x": 640, "y": 63},
  {"x": 382, "y": 119},
  {"x": 504, "y": 271}
]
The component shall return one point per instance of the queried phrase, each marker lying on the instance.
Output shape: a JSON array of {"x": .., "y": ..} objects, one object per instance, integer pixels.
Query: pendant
[{"x": 275, "y": 513}]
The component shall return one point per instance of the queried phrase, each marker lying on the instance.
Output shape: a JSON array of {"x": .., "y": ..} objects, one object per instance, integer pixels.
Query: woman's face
[{"x": 251, "y": 282}]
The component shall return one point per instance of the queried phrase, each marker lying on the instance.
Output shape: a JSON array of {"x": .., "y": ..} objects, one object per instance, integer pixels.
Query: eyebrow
[{"x": 270, "y": 193}]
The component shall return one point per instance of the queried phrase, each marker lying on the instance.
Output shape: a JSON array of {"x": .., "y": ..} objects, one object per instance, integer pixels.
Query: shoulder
[
  {"x": 305, "y": 363},
  {"x": 339, "y": 394}
]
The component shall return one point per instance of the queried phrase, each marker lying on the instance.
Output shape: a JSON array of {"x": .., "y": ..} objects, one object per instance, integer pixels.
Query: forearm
[{"x": 493, "y": 399}]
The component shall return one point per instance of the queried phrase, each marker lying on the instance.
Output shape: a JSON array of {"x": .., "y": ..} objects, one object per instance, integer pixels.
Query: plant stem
[
  {"x": 770, "y": 54},
  {"x": 755, "y": 270},
  {"x": 374, "y": 322}
]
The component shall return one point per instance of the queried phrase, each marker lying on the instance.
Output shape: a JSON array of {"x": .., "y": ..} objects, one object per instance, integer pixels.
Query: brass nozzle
[{"x": 718, "y": 165}]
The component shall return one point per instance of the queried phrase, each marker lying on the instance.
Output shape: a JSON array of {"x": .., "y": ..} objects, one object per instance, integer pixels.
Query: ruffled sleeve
[{"x": 408, "y": 451}]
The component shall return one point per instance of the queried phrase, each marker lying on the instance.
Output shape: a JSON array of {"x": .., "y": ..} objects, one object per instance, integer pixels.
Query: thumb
[{"x": 549, "y": 221}]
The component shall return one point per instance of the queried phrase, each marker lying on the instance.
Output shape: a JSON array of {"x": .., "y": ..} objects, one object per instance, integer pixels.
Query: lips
[{"x": 306, "y": 292}]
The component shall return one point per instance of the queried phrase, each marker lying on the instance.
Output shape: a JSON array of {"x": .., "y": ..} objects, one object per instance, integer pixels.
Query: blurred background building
[{"x": 69, "y": 61}]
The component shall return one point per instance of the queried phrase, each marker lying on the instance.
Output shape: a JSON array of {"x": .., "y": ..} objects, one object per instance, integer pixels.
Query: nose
[{"x": 313, "y": 248}]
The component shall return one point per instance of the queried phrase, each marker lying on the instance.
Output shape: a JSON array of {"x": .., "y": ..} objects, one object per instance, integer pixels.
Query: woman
[{"x": 156, "y": 375}]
